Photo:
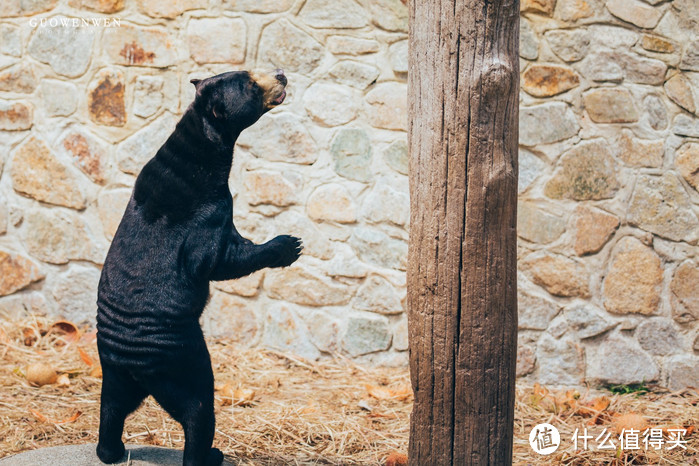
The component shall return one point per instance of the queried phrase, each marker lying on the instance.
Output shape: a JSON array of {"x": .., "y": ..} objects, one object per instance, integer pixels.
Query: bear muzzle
[{"x": 272, "y": 86}]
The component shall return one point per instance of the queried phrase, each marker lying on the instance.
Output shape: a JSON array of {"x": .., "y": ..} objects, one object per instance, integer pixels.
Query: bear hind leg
[{"x": 121, "y": 395}]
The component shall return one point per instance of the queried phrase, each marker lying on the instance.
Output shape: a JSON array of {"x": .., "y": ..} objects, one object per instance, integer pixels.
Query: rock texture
[{"x": 608, "y": 181}]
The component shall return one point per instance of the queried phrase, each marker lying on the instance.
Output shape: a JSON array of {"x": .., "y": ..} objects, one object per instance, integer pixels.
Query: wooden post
[{"x": 463, "y": 84}]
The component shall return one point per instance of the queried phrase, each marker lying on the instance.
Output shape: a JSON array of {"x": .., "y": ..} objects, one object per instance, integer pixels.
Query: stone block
[
  {"x": 559, "y": 275},
  {"x": 138, "y": 46},
  {"x": 366, "y": 333},
  {"x": 229, "y": 35},
  {"x": 378, "y": 248},
  {"x": 330, "y": 105},
  {"x": 332, "y": 203},
  {"x": 66, "y": 50},
  {"x": 546, "y": 123},
  {"x": 619, "y": 360},
  {"x": 16, "y": 116},
  {"x": 17, "y": 272},
  {"x": 304, "y": 286},
  {"x": 333, "y": 14},
  {"x": 610, "y": 105},
  {"x": 111, "y": 205},
  {"x": 569, "y": 45},
  {"x": 635, "y": 12},
  {"x": 75, "y": 292},
  {"x": 378, "y": 295},
  {"x": 549, "y": 80},
  {"x": 59, "y": 98},
  {"x": 105, "y": 102},
  {"x": 280, "y": 138},
  {"x": 687, "y": 163},
  {"x": 537, "y": 224},
  {"x": 593, "y": 228},
  {"x": 355, "y": 74},
  {"x": 685, "y": 293},
  {"x": 388, "y": 106},
  {"x": 351, "y": 152},
  {"x": 283, "y": 45}
]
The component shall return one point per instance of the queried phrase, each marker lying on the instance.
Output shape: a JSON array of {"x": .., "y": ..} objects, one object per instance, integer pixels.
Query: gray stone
[
  {"x": 559, "y": 361},
  {"x": 690, "y": 57},
  {"x": 21, "y": 306},
  {"x": 366, "y": 333},
  {"x": 86, "y": 151},
  {"x": 537, "y": 224},
  {"x": 679, "y": 89},
  {"x": 231, "y": 318},
  {"x": 391, "y": 15},
  {"x": 659, "y": 337},
  {"x": 568, "y": 44},
  {"x": 619, "y": 360},
  {"x": 301, "y": 285},
  {"x": 601, "y": 67},
  {"x": 139, "y": 46},
  {"x": 280, "y": 138},
  {"x": 16, "y": 116},
  {"x": 148, "y": 95},
  {"x": 378, "y": 248},
  {"x": 388, "y": 106},
  {"x": 685, "y": 293},
  {"x": 346, "y": 45},
  {"x": 351, "y": 151},
  {"x": 336, "y": 14},
  {"x": 528, "y": 42},
  {"x": 111, "y": 204},
  {"x": 396, "y": 156},
  {"x": 634, "y": 279},
  {"x": 137, "y": 149},
  {"x": 324, "y": 331},
  {"x": 614, "y": 37},
  {"x": 384, "y": 204},
  {"x": 271, "y": 187},
  {"x": 75, "y": 292},
  {"x": 59, "y": 98},
  {"x": 84, "y": 455},
  {"x": 559, "y": 275},
  {"x": 682, "y": 372},
  {"x": 65, "y": 49},
  {"x": 331, "y": 202},
  {"x": 400, "y": 335},
  {"x": 299, "y": 225},
  {"x": 535, "y": 312},
  {"x": 635, "y": 12},
  {"x": 660, "y": 205},
  {"x": 228, "y": 34},
  {"x": 283, "y": 45},
  {"x": 355, "y": 74},
  {"x": 585, "y": 172},
  {"x": 526, "y": 360},
  {"x": 637, "y": 152},
  {"x": 655, "y": 112},
  {"x": 610, "y": 105},
  {"x": 247, "y": 286},
  {"x": 530, "y": 167},
  {"x": 546, "y": 123},
  {"x": 686, "y": 14},
  {"x": 346, "y": 264},
  {"x": 19, "y": 78},
  {"x": 586, "y": 320},
  {"x": 329, "y": 104},
  {"x": 57, "y": 236},
  {"x": 684, "y": 125},
  {"x": 285, "y": 331},
  {"x": 378, "y": 295},
  {"x": 10, "y": 40},
  {"x": 39, "y": 174},
  {"x": 259, "y": 6},
  {"x": 399, "y": 56}
]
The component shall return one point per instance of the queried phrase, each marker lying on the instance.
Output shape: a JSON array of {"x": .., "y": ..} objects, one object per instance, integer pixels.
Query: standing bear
[{"x": 177, "y": 235}]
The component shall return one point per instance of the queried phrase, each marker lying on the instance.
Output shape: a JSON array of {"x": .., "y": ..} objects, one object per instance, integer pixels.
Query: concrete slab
[{"x": 84, "y": 455}]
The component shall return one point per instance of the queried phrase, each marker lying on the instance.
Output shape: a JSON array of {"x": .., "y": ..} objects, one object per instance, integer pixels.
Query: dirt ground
[{"x": 275, "y": 409}]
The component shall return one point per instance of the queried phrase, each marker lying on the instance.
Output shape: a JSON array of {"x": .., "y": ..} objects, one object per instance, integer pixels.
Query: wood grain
[{"x": 463, "y": 84}]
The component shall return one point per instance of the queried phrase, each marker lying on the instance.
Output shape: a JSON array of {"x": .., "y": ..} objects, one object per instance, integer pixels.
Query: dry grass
[{"x": 302, "y": 413}]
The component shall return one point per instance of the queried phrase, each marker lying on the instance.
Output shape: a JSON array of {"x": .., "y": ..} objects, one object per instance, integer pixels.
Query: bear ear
[{"x": 197, "y": 85}]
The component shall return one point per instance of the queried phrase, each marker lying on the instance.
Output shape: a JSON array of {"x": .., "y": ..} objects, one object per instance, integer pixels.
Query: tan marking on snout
[{"x": 271, "y": 87}]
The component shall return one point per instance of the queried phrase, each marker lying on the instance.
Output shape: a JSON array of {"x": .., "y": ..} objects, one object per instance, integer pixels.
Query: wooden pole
[{"x": 463, "y": 88}]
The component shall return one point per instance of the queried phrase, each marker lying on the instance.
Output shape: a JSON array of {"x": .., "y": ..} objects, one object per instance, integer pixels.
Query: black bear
[{"x": 177, "y": 234}]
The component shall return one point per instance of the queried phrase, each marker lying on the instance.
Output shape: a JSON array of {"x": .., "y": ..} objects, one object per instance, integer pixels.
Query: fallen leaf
[
  {"x": 30, "y": 336},
  {"x": 39, "y": 374},
  {"x": 63, "y": 380},
  {"x": 96, "y": 372},
  {"x": 237, "y": 397},
  {"x": 629, "y": 421},
  {"x": 85, "y": 357},
  {"x": 66, "y": 328},
  {"x": 385, "y": 393},
  {"x": 595, "y": 406},
  {"x": 41, "y": 418},
  {"x": 396, "y": 459}
]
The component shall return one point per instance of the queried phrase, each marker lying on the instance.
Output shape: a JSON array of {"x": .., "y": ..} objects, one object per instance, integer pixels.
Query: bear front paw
[{"x": 287, "y": 248}]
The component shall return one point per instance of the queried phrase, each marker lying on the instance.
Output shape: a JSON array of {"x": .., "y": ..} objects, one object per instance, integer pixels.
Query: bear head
[{"x": 235, "y": 100}]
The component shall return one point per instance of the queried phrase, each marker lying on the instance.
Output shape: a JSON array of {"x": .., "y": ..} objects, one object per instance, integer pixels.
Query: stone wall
[{"x": 607, "y": 217}]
